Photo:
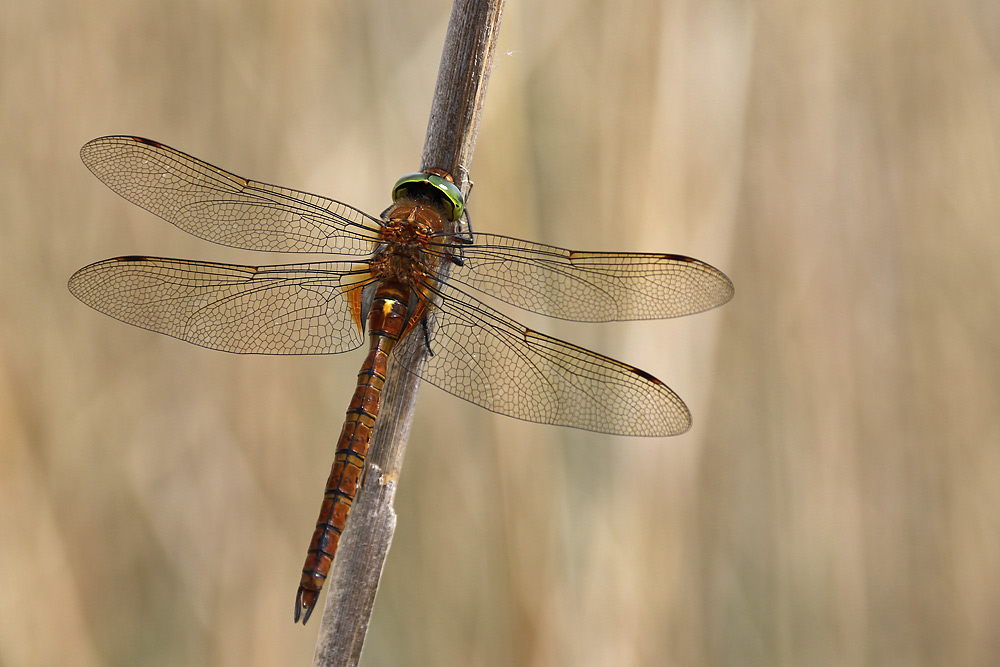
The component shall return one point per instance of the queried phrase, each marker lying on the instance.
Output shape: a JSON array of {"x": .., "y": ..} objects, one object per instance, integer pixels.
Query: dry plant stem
[{"x": 451, "y": 132}]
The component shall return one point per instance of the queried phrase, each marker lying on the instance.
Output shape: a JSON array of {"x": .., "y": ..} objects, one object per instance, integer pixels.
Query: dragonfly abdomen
[{"x": 387, "y": 322}]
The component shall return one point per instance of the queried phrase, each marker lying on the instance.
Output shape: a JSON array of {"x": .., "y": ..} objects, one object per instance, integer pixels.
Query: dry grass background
[{"x": 838, "y": 500}]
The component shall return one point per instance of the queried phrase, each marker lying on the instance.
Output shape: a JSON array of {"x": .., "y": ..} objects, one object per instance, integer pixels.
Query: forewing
[
  {"x": 488, "y": 359},
  {"x": 291, "y": 309},
  {"x": 219, "y": 206},
  {"x": 589, "y": 286}
]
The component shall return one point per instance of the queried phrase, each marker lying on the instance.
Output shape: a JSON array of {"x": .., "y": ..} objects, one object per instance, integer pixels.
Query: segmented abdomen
[{"x": 386, "y": 325}]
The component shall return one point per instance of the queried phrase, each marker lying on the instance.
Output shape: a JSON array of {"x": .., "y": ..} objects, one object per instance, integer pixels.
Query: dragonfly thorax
[{"x": 402, "y": 254}]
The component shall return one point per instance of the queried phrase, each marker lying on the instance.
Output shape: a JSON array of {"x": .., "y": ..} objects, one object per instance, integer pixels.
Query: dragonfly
[{"x": 408, "y": 277}]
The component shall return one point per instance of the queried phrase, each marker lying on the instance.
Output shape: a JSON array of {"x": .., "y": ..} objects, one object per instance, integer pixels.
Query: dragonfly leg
[
  {"x": 464, "y": 234},
  {"x": 425, "y": 331}
]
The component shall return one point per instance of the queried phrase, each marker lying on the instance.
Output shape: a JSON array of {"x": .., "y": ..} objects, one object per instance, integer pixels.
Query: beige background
[{"x": 838, "y": 500}]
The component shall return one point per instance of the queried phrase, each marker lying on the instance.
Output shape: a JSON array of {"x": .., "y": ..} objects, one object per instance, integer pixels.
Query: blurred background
[{"x": 837, "y": 501}]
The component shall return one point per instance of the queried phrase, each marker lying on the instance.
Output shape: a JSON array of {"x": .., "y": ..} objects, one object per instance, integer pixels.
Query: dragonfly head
[{"x": 435, "y": 184}]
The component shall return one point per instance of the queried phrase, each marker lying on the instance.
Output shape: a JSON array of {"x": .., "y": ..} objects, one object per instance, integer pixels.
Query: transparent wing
[
  {"x": 218, "y": 206},
  {"x": 589, "y": 286},
  {"x": 488, "y": 359},
  {"x": 291, "y": 309}
]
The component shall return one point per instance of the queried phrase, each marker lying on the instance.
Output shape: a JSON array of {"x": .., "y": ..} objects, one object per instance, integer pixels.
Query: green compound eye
[{"x": 431, "y": 185}]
